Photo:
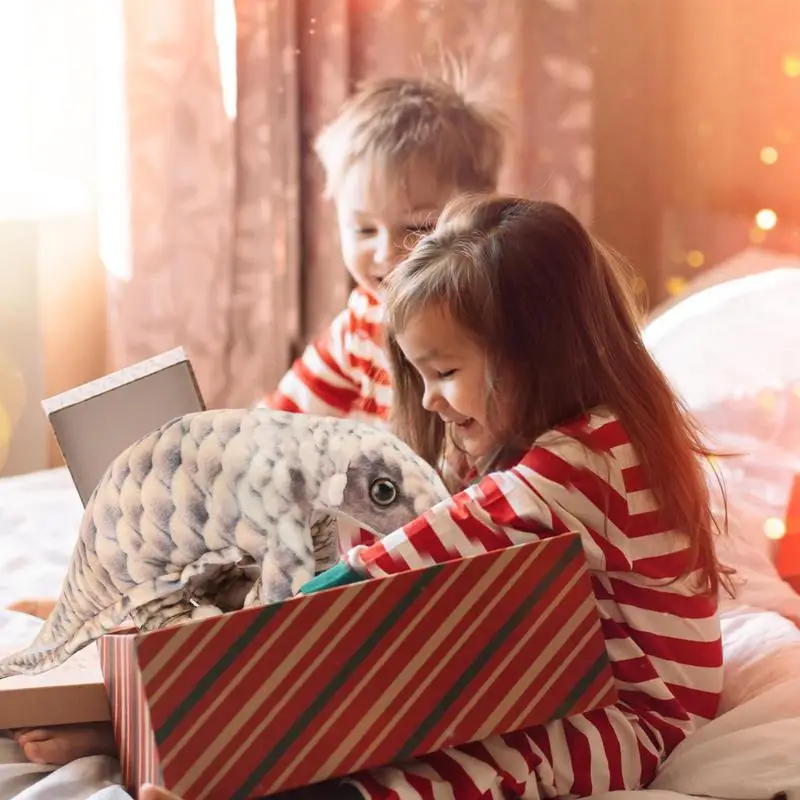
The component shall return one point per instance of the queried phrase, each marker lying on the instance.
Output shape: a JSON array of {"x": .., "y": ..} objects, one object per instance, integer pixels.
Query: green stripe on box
[
  {"x": 580, "y": 689},
  {"x": 307, "y": 718},
  {"x": 204, "y": 685},
  {"x": 514, "y": 621}
]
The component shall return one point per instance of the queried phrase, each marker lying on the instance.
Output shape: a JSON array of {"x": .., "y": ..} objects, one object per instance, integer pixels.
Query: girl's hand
[{"x": 150, "y": 792}]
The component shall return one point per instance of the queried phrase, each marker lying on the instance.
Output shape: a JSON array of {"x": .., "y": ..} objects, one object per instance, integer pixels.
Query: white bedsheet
[
  {"x": 750, "y": 752},
  {"x": 39, "y": 518}
]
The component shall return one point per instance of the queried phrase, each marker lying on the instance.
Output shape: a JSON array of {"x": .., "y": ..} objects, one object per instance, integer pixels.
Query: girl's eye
[
  {"x": 365, "y": 231},
  {"x": 448, "y": 373}
]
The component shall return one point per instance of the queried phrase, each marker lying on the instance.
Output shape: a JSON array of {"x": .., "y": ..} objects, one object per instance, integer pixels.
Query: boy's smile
[{"x": 381, "y": 216}]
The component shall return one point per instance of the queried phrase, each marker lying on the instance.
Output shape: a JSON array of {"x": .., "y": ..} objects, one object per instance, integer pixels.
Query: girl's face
[{"x": 454, "y": 369}]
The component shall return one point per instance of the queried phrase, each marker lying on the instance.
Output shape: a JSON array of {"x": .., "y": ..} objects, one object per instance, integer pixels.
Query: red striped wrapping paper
[{"x": 323, "y": 685}]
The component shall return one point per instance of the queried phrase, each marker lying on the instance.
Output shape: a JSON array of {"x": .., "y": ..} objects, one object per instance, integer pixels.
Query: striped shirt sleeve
[
  {"x": 662, "y": 638},
  {"x": 344, "y": 372},
  {"x": 321, "y": 380}
]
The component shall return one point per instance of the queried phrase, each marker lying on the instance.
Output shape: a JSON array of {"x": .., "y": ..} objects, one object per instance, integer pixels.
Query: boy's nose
[
  {"x": 382, "y": 248},
  {"x": 388, "y": 253}
]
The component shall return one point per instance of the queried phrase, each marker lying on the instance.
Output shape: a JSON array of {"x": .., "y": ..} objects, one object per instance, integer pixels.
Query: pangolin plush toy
[{"x": 222, "y": 509}]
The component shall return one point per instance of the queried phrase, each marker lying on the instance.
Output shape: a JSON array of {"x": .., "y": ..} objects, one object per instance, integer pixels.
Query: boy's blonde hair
[{"x": 391, "y": 123}]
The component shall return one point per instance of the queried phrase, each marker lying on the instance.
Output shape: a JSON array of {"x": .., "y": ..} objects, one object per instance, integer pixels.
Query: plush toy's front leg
[
  {"x": 282, "y": 575},
  {"x": 156, "y": 615}
]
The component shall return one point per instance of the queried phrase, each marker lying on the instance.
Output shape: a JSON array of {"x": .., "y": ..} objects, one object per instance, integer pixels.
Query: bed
[{"x": 751, "y": 751}]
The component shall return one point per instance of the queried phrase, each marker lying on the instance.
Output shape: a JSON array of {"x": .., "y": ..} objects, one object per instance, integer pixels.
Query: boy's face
[{"x": 381, "y": 219}]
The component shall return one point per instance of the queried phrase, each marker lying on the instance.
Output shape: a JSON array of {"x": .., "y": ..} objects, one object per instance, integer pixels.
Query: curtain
[
  {"x": 218, "y": 237},
  {"x": 207, "y": 252}
]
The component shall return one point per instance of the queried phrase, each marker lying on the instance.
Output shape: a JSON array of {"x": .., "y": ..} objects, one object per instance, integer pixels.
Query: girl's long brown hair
[{"x": 553, "y": 309}]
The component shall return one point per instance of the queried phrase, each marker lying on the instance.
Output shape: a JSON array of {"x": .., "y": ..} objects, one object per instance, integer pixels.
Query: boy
[{"x": 398, "y": 150}]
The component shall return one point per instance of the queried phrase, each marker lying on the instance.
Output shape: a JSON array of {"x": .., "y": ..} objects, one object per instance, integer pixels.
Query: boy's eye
[{"x": 419, "y": 230}]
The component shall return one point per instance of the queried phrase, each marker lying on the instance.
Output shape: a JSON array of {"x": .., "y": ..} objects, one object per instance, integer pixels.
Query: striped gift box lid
[{"x": 327, "y": 684}]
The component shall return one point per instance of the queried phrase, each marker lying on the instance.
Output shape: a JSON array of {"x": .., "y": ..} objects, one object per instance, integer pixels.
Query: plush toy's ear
[
  {"x": 334, "y": 533},
  {"x": 331, "y": 490}
]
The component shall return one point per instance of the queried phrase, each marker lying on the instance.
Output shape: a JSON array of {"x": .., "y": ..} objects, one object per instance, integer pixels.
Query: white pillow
[
  {"x": 757, "y": 584},
  {"x": 761, "y": 650}
]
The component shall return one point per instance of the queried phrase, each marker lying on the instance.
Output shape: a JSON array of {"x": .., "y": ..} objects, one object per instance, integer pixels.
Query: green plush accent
[{"x": 340, "y": 575}]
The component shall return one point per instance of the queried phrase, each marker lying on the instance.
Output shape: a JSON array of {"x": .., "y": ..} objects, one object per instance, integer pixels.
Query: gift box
[{"x": 323, "y": 685}]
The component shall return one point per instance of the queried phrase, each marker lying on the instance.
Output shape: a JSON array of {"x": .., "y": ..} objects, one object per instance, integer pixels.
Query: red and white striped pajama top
[
  {"x": 344, "y": 372},
  {"x": 663, "y": 640}
]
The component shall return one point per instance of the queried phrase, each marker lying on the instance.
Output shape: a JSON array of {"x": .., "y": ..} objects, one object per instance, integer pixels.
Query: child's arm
[
  {"x": 481, "y": 518},
  {"x": 322, "y": 380}
]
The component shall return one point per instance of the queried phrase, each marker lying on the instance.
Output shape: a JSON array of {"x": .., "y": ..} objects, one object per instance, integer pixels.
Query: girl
[{"x": 512, "y": 337}]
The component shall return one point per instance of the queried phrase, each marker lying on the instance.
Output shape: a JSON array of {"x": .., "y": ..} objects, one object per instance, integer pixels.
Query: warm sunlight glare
[
  {"x": 225, "y": 32},
  {"x": 113, "y": 207},
  {"x": 43, "y": 75}
]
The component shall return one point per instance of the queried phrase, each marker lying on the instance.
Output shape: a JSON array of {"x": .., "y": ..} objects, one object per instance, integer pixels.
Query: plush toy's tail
[
  {"x": 66, "y": 632},
  {"x": 49, "y": 650},
  {"x": 84, "y": 611}
]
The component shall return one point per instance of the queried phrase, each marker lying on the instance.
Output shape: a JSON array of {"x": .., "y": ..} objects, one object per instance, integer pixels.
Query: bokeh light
[
  {"x": 769, "y": 155},
  {"x": 774, "y": 528},
  {"x": 12, "y": 402},
  {"x": 676, "y": 285},
  {"x": 766, "y": 400},
  {"x": 5, "y": 434},
  {"x": 766, "y": 219},
  {"x": 695, "y": 259},
  {"x": 791, "y": 65}
]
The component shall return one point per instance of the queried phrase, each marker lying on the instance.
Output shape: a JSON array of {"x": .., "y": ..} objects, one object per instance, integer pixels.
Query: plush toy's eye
[{"x": 383, "y": 492}]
